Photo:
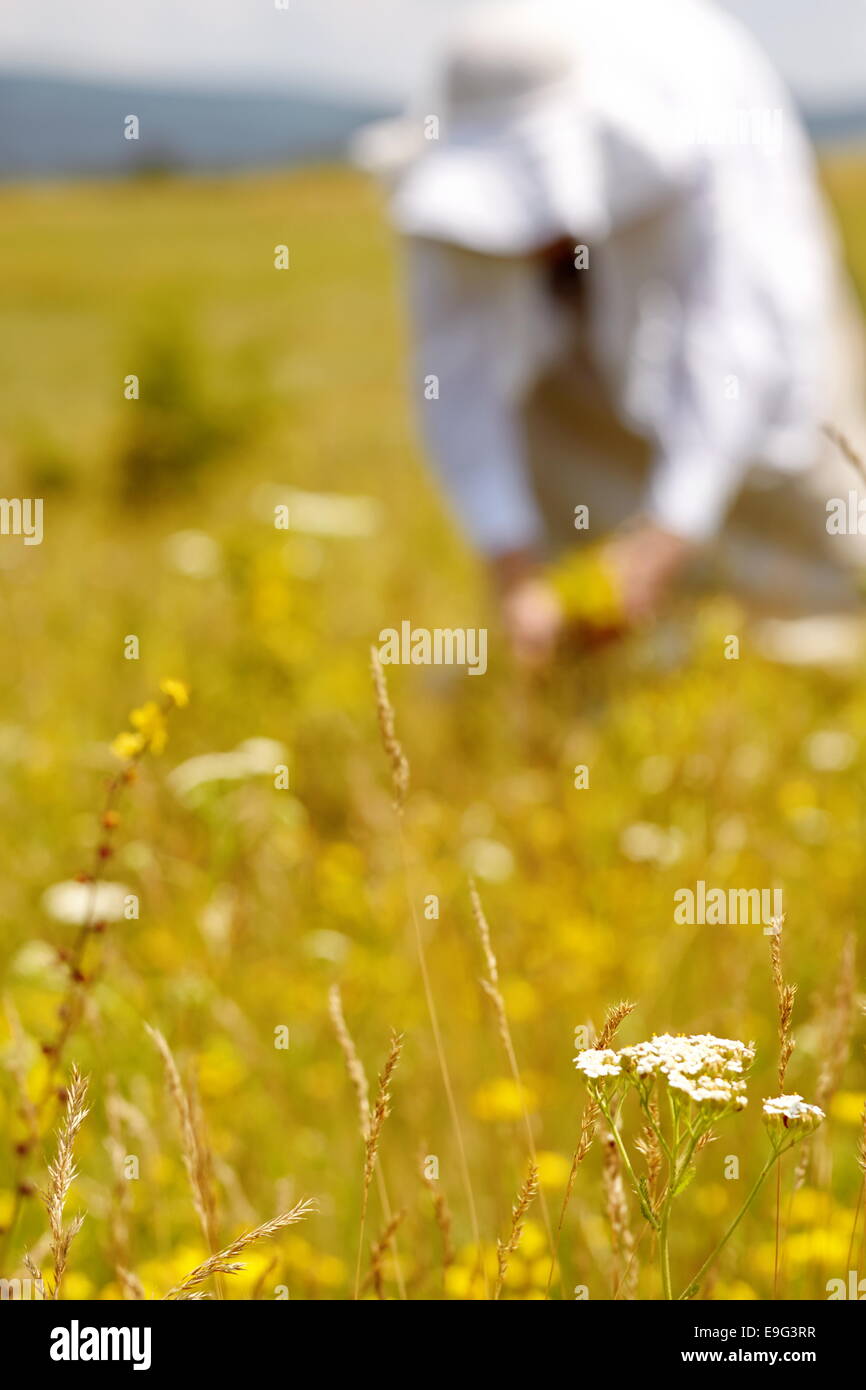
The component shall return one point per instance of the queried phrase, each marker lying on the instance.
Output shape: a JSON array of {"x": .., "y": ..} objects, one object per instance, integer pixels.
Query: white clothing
[{"x": 711, "y": 278}]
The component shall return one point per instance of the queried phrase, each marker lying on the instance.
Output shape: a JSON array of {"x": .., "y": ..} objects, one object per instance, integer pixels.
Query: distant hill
[
  {"x": 837, "y": 127},
  {"x": 52, "y": 125}
]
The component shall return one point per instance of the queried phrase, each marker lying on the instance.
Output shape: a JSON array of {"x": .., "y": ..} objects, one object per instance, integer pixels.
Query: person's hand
[
  {"x": 533, "y": 620},
  {"x": 531, "y": 611},
  {"x": 645, "y": 560}
]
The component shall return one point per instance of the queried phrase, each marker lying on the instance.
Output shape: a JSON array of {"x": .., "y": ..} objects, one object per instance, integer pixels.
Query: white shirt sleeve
[
  {"x": 752, "y": 292},
  {"x": 717, "y": 386},
  {"x": 483, "y": 328}
]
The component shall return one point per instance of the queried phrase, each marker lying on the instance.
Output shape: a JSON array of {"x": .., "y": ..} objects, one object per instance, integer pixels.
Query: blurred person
[{"x": 630, "y": 321}]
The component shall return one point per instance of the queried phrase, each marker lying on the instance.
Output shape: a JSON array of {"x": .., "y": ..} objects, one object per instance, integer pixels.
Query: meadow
[{"x": 259, "y": 890}]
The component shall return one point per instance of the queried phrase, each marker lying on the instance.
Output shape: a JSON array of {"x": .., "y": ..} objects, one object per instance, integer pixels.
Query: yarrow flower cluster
[
  {"x": 790, "y": 1118},
  {"x": 706, "y": 1081},
  {"x": 595, "y": 1063},
  {"x": 701, "y": 1067},
  {"x": 669, "y": 1053}
]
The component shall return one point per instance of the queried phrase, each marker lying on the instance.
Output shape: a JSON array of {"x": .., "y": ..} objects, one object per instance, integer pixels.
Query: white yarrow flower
[
  {"x": 79, "y": 903},
  {"x": 790, "y": 1117},
  {"x": 595, "y": 1063}
]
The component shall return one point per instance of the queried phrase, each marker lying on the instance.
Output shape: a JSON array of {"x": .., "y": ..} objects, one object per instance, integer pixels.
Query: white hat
[{"x": 516, "y": 164}]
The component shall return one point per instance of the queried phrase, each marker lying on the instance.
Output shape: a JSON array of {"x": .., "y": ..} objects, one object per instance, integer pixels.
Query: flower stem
[
  {"x": 623, "y": 1153},
  {"x": 664, "y": 1248},
  {"x": 693, "y": 1286},
  {"x": 654, "y": 1126}
]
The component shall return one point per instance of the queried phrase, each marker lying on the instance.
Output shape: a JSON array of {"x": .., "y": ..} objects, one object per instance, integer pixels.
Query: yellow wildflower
[
  {"x": 847, "y": 1106},
  {"x": 149, "y": 721},
  {"x": 502, "y": 1099},
  {"x": 177, "y": 691},
  {"x": 127, "y": 745},
  {"x": 587, "y": 588},
  {"x": 553, "y": 1169}
]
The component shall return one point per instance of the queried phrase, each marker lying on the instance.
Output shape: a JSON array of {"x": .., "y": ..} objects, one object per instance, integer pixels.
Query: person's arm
[
  {"x": 716, "y": 398},
  {"x": 482, "y": 330},
  {"x": 479, "y": 334},
  {"x": 708, "y": 405}
]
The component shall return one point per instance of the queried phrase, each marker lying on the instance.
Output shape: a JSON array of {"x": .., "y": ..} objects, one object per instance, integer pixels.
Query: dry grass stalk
[
  {"x": 648, "y": 1144},
  {"x": 616, "y": 1016},
  {"x": 223, "y": 1262},
  {"x": 400, "y": 778},
  {"x": 119, "y": 1204},
  {"x": 707, "y": 1138},
  {"x": 505, "y": 1249},
  {"x": 625, "y": 1266},
  {"x": 493, "y": 991},
  {"x": 376, "y": 1274},
  {"x": 354, "y": 1065},
  {"x": 205, "y": 1170},
  {"x": 16, "y": 1062},
  {"x": 839, "y": 1022},
  {"x": 861, "y": 1164},
  {"x": 80, "y": 960},
  {"x": 358, "y": 1078},
  {"x": 846, "y": 448},
  {"x": 61, "y": 1175},
  {"x": 443, "y": 1218},
  {"x": 390, "y": 742},
  {"x": 81, "y": 975},
  {"x": 131, "y": 1285},
  {"x": 196, "y": 1153},
  {"x": 35, "y": 1271},
  {"x": 379, "y": 1114},
  {"x": 861, "y": 1196},
  {"x": 835, "y": 1044},
  {"x": 381, "y": 1110},
  {"x": 785, "y": 994}
]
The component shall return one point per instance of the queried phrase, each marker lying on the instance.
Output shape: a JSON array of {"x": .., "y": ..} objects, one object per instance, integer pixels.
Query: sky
[{"x": 360, "y": 47}]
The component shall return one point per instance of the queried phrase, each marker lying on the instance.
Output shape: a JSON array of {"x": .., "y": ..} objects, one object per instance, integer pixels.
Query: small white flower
[
  {"x": 644, "y": 842},
  {"x": 79, "y": 903},
  {"x": 320, "y": 513},
  {"x": 790, "y": 1118},
  {"x": 38, "y": 960},
  {"x": 489, "y": 859},
  {"x": 830, "y": 750},
  {"x": 193, "y": 553},
  {"x": 713, "y": 1091},
  {"x": 252, "y": 758},
  {"x": 698, "y": 1062},
  {"x": 596, "y": 1062}
]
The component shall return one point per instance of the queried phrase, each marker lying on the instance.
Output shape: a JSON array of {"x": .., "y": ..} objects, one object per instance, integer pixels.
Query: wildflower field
[{"x": 242, "y": 878}]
